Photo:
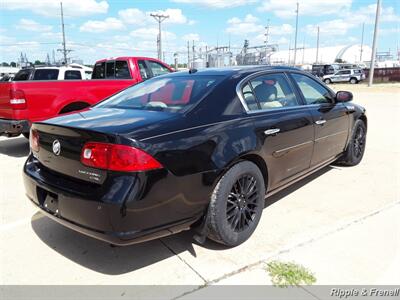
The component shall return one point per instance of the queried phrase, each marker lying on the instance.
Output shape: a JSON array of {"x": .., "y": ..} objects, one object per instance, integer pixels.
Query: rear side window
[
  {"x": 22, "y": 75},
  {"x": 122, "y": 70},
  {"x": 110, "y": 69},
  {"x": 157, "y": 68},
  {"x": 99, "y": 71},
  {"x": 72, "y": 75},
  {"x": 269, "y": 91},
  {"x": 46, "y": 74}
]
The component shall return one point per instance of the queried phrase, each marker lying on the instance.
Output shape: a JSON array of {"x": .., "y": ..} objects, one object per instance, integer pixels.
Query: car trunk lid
[{"x": 60, "y": 150}]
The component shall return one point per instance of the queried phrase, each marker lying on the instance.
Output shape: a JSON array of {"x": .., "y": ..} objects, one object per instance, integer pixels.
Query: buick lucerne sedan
[{"x": 199, "y": 149}]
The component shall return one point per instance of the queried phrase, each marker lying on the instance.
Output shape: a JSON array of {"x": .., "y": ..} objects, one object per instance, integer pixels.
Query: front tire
[
  {"x": 355, "y": 150},
  {"x": 236, "y": 204}
]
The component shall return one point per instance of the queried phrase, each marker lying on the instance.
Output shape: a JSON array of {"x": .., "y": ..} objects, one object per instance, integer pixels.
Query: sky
[{"x": 97, "y": 29}]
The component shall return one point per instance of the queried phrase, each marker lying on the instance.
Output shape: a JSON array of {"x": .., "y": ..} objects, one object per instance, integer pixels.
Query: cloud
[
  {"x": 150, "y": 34},
  {"x": 287, "y": 8},
  {"x": 132, "y": 16},
  {"x": 136, "y": 16},
  {"x": 217, "y": 3},
  {"x": 102, "y": 26},
  {"x": 244, "y": 26},
  {"x": 31, "y": 25},
  {"x": 330, "y": 28},
  {"x": 191, "y": 37},
  {"x": 353, "y": 19},
  {"x": 72, "y": 8},
  {"x": 175, "y": 15}
]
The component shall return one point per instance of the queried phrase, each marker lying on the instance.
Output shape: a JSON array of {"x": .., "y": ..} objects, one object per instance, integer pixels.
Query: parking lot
[{"x": 342, "y": 223}]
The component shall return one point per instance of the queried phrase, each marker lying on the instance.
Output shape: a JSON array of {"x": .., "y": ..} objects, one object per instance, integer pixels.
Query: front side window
[
  {"x": 163, "y": 94},
  {"x": 313, "y": 92},
  {"x": 157, "y": 68},
  {"x": 269, "y": 91},
  {"x": 72, "y": 75},
  {"x": 144, "y": 71},
  {"x": 46, "y": 74}
]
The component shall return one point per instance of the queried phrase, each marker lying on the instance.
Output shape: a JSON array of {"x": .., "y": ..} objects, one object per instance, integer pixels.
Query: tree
[
  {"x": 4, "y": 64},
  {"x": 38, "y": 62},
  {"x": 13, "y": 64}
]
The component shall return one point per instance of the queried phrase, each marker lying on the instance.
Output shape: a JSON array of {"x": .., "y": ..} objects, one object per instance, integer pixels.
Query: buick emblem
[{"x": 56, "y": 147}]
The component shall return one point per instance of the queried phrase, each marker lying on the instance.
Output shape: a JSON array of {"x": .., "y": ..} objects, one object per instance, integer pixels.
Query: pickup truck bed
[{"x": 25, "y": 102}]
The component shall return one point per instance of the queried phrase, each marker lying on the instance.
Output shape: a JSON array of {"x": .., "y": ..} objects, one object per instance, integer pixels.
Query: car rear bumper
[
  {"x": 12, "y": 128},
  {"x": 111, "y": 222}
]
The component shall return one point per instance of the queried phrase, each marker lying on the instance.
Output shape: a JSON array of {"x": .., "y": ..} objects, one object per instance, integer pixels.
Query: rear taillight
[
  {"x": 34, "y": 140},
  {"x": 17, "y": 99},
  {"x": 117, "y": 158}
]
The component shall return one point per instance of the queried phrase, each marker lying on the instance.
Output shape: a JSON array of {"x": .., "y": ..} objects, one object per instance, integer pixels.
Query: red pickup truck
[{"x": 24, "y": 102}]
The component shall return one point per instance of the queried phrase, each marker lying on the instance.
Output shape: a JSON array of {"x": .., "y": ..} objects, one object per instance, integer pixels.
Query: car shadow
[
  {"x": 16, "y": 147},
  {"x": 104, "y": 258}
]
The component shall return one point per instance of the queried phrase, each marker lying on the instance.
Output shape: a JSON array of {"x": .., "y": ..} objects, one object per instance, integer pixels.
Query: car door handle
[
  {"x": 320, "y": 122},
  {"x": 271, "y": 131}
]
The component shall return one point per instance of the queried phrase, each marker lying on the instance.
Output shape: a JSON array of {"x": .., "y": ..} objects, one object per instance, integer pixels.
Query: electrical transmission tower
[{"x": 159, "y": 18}]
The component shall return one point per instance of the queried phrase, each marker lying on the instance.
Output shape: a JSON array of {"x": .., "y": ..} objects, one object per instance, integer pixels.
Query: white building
[{"x": 307, "y": 56}]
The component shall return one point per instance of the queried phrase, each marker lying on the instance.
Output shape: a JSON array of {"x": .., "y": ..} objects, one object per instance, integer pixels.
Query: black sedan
[{"x": 190, "y": 149}]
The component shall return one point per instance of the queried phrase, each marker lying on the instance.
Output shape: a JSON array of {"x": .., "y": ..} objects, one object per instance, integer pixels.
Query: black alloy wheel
[
  {"x": 242, "y": 203},
  {"x": 359, "y": 142},
  {"x": 236, "y": 204},
  {"x": 355, "y": 149}
]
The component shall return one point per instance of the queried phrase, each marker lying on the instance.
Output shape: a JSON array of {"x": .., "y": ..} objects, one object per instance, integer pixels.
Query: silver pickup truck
[{"x": 349, "y": 75}]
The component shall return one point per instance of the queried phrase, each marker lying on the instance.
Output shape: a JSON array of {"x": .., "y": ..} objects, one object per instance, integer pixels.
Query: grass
[{"x": 287, "y": 274}]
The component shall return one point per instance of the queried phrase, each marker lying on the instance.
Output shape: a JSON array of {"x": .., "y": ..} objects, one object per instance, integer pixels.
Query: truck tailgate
[{"x": 6, "y": 112}]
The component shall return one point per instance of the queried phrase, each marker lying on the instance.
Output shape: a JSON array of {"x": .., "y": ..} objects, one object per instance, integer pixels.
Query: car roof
[{"x": 228, "y": 71}]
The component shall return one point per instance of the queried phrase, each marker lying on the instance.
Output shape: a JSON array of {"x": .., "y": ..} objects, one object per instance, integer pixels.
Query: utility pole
[
  {"x": 193, "y": 51},
  {"x": 188, "y": 54},
  {"x": 362, "y": 42},
  {"x": 316, "y": 58},
  {"x": 295, "y": 35},
  {"x": 266, "y": 41},
  {"x": 64, "y": 49},
  {"x": 372, "y": 67},
  {"x": 159, "y": 18}
]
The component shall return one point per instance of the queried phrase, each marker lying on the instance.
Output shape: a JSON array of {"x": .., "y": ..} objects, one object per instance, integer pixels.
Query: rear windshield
[
  {"x": 163, "y": 93},
  {"x": 45, "y": 74}
]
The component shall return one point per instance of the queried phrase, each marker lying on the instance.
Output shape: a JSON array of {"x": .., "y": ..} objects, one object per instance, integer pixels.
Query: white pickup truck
[{"x": 69, "y": 72}]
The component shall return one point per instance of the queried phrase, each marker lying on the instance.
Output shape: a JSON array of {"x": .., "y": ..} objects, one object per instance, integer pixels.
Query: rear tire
[
  {"x": 353, "y": 80},
  {"x": 236, "y": 204},
  {"x": 356, "y": 147},
  {"x": 327, "y": 81}
]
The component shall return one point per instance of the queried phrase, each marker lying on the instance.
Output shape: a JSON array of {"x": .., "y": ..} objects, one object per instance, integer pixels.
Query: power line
[{"x": 159, "y": 18}]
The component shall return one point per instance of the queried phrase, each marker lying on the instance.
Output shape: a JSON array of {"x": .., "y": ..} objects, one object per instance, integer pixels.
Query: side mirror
[{"x": 343, "y": 96}]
